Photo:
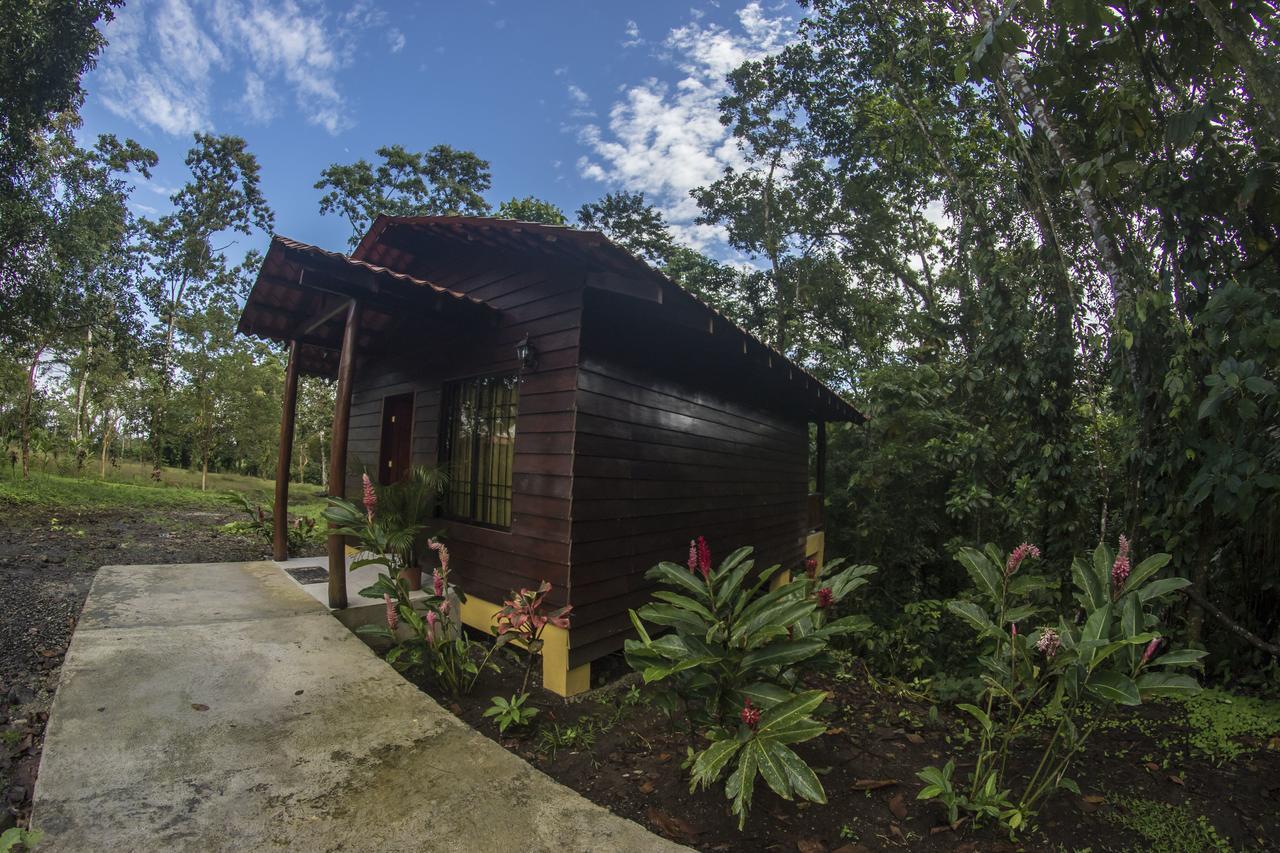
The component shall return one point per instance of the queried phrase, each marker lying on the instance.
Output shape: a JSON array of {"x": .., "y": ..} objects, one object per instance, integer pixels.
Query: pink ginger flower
[
  {"x": 393, "y": 618},
  {"x": 437, "y": 582},
  {"x": 1152, "y": 648},
  {"x": 693, "y": 555},
  {"x": 810, "y": 566},
  {"x": 370, "y": 497},
  {"x": 439, "y": 547},
  {"x": 1049, "y": 643},
  {"x": 431, "y": 625},
  {"x": 826, "y": 597},
  {"x": 1120, "y": 569},
  {"x": 750, "y": 714},
  {"x": 1026, "y": 549},
  {"x": 699, "y": 556}
]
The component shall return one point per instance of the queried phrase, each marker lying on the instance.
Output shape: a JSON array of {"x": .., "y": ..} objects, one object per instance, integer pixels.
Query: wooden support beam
[
  {"x": 288, "y": 412},
  {"x": 820, "y": 461},
  {"x": 338, "y": 452}
]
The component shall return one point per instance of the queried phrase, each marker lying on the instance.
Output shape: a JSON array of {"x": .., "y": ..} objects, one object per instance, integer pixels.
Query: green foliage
[
  {"x": 762, "y": 748},
  {"x": 730, "y": 659},
  {"x": 15, "y": 838},
  {"x": 576, "y": 736},
  {"x": 1167, "y": 828},
  {"x": 411, "y": 502},
  {"x": 302, "y": 531},
  {"x": 530, "y": 209},
  {"x": 511, "y": 712},
  {"x": 440, "y": 181},
  {"x": 1223, "y": 726},
  {"x": 626, "y": 219},
  {"x": 1075, "y": 672}
]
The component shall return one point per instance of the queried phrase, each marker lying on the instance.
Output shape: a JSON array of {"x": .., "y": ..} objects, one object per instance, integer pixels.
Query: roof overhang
[
  {"x": 397, "y": 241},
  {"x": 302, "y": 292}
]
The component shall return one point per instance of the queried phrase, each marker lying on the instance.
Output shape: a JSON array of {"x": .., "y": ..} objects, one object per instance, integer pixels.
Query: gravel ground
[{"x": 47, "y": 563}]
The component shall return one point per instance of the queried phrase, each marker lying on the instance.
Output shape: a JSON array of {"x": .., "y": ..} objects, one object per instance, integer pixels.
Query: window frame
[{"x": 449, "y": 396}]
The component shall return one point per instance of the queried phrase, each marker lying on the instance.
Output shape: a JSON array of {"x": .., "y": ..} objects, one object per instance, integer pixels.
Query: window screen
[{"x": 479, "y": 447}]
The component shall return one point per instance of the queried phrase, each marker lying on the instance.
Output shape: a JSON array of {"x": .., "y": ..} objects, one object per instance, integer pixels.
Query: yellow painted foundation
[{"x": 556, "y": 674}]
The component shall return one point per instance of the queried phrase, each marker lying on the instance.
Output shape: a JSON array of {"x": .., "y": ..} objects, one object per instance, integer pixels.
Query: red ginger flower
[
  {"x": 811, "y": 566},
  {"x": 750, "y": 714},
  {"x": 1026, "y": 549},
  {"x": 826, "y": 597},
  {"x": 1120, "y": 569},
  {"x": 699, "y": 556},
  {"x": 693, "y": 555},
  {"x": 370, "y": 497},
  {"x": 1152, "y": 648},
  {"x": 393, "y": 618}
]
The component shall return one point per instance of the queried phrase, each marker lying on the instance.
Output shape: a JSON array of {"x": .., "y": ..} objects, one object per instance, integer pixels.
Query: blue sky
[{"x": 566, "y": 100}]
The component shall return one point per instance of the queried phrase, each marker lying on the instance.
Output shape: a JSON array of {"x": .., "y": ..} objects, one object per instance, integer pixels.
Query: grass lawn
[{"x": 130, "y": 485}]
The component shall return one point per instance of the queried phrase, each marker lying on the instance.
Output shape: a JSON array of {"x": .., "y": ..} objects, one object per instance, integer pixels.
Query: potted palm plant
[{"x": 411, "y": 503}]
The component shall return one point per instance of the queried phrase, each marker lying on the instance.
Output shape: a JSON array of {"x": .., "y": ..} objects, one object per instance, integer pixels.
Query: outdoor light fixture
[{"x": 526, "y": 354}]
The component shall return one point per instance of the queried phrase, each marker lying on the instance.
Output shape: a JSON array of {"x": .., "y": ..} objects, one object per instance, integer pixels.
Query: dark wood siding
[
  {"x": 660, "y": 459},
  {"x": 547, "y": 306}
]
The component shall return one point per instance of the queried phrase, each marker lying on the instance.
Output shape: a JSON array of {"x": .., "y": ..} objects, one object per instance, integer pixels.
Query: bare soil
[
  {"x": 867, "y": 762},
  {"x": 47, "y": 562}
]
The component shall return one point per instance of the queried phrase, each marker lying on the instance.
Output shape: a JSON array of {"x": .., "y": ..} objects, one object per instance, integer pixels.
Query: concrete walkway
[{"x": 220, "y": 707}]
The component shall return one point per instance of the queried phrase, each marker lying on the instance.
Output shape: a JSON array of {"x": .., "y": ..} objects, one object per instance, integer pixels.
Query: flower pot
[{"x": 412, "y": 576}]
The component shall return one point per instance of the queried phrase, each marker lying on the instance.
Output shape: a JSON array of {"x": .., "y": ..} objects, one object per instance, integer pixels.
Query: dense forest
[{"x": 1036, "y": 243}]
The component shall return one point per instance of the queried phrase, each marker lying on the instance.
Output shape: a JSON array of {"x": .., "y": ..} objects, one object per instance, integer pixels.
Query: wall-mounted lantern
[{"x": 526, "y": 354}]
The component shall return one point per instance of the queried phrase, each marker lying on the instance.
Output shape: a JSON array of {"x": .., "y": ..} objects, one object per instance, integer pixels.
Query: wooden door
[{"x": 397, "y": 438}]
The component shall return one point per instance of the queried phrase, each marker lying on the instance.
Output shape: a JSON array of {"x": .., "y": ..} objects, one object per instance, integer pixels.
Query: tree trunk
[
  {"x": 1199, "y": 590},
  {"x": 1260, "y": 79},
  {"x": 26, "y": 413},
  {"x": 78, "y": 437},
  {"x": 204, "y": 472},
  {"x": 108, "y": 422}
]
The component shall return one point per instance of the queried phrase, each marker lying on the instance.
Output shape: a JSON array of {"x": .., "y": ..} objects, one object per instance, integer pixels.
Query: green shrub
[{"x": 730, "y": 659}]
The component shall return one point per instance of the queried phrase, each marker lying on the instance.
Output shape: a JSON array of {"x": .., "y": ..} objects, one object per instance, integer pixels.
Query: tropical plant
[
  {"x": 730, "y": 659},
  {"x": 301, "y": 530},
  {"x": 17, "y": 838},
  {"x": 727, "y": 642},
  {"x": 523, "y": 617},
  {"x": 511, "y": 712},
  {"x": 1070, "y": 672},
  {"x": 412, "y": 501}
]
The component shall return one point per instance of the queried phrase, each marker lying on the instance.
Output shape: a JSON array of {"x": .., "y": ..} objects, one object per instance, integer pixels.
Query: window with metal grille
[{"x": 478, "y": 447}]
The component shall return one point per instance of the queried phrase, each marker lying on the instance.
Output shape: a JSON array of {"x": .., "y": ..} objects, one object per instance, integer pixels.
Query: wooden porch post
[
  {"x": 338, "y": 452},
  {"x": 280, "y": 519},
  {"x": 820, "y": 474}
]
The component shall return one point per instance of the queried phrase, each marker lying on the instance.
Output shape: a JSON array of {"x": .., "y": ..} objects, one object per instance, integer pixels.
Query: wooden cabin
[{"x": 593, "y": 415}]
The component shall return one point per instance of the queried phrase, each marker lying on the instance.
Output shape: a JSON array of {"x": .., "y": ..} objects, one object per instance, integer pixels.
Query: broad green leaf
[
  {"x": 806, "y": 729},
  {"x": 1094, "y": 595},
  {"x": 685, "y": 602},
  {"x": 801, "y": 777},
  {"x": 979, "y": 715},
  {"x": 1102, "y": 562},
  {"x": 764, "y": 695},
  {"x": 791, "y": 711},
  {"x": 711, "y": 761},
  {"x": 974, "y": 615},
  {"x": 985, "y": 576},
  {"x": 776, "y": 654},
  {"x": 771, "y": 768},
  {"x": 1162, "y": 587},
  {"x": 1097, "y": 626},
  {"x": 1021, "y": 584},
  {"x": 657, "y": 673},
  {"x": 635, "y": 621},
  {"x": 1146, "y": 569},
  {"x": 1017, "y": 614},
  {"x": 746, "y": 782},
  {"x": 1162, "y": 684},
  {"x": 680, "y": 576},
  {"x": 1180, "y": 657},
  {"x": 673, "y": 617},
  {"x": 1114, "y": 687}
]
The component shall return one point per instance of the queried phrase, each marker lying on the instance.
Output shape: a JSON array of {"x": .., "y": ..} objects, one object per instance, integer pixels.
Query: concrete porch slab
[{"x": 220, "y": 707}]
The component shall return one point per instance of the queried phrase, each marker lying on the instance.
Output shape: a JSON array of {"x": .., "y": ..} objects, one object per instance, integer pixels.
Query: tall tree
[
  {"x": 631, "y": 222},
  {"x": 442, "y": 181}
]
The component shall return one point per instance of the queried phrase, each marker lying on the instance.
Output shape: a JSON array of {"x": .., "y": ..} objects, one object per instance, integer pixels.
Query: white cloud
[
  {"x": 664, "y": 140},
  {"x": 633, "y": 38},
  {"x": 162, "y": 66},
  {"x": 500, "y": 24},
  {"x": 396, "y": 39},
  {"x": 257, "y": 103}
]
